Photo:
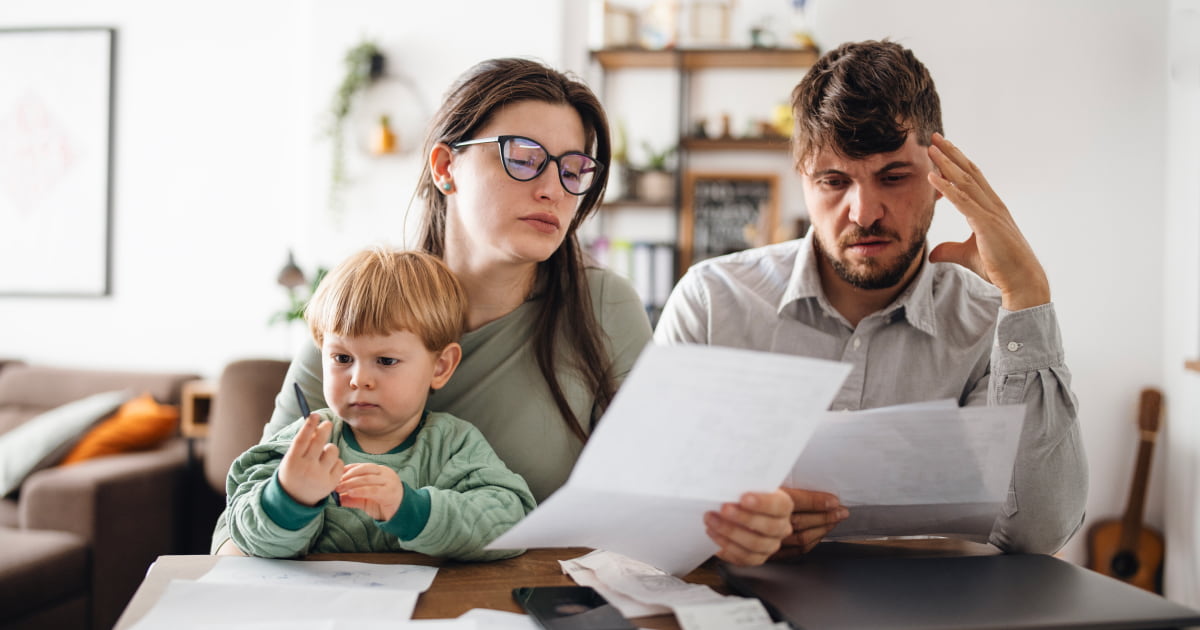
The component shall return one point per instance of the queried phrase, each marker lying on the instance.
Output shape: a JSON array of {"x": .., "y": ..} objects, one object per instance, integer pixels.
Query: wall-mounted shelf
[
  {"x": 702, "y": 58},
  {"x": 734, "y": 144},
  {"x": 640, "y": 204}
]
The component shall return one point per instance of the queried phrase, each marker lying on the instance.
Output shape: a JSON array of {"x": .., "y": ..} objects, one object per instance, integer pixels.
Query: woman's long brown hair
[{"x": 566, "y": 304}]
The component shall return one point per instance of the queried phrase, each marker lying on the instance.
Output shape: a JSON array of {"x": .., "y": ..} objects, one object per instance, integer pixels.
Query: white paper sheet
[
  {"x": 732, "y": 613},
  {"x": 931, "y": 468},
  {"x": 317, "y": 595},
  {"x": 692, "y": 427},
  {"x": 487, "y": 619},
  {"x": 242, "y": 570},
  {"x": 189, "y": 604}
]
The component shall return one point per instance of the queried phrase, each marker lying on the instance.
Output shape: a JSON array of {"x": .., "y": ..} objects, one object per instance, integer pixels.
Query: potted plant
[
  {"x": 620, "y": 183},
  {"x": 655, "y": 182},
  {"x": 291, "y": 278},
  {"x": 364, "y": 64}
]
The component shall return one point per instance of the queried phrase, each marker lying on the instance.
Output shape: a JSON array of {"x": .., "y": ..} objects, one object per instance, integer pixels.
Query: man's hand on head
[{"x": 996, "y": 249}]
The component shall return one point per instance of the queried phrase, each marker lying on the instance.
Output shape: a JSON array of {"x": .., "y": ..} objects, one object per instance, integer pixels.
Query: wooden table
[{"x": 459, "y": 586}]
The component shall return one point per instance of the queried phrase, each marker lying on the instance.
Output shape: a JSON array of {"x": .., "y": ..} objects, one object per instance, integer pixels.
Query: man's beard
[{"x": 872, "y": 274}]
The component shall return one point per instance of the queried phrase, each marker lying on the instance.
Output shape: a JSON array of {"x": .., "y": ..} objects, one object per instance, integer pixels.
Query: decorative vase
[{"x": 656, "y": 186}]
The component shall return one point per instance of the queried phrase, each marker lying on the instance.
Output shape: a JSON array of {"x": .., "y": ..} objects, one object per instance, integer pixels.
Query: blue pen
[{"x": 337, "y": 500}]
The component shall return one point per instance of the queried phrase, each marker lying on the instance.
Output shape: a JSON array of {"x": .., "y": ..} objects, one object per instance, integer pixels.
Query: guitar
[{"x": 1124, "y": 548}]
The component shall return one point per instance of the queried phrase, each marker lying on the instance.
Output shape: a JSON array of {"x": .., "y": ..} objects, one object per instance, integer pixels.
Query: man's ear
[{"x": 444, "y": 364}]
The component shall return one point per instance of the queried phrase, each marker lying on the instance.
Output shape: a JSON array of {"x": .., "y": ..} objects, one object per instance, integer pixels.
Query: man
[{"x": 974, "y": 322}]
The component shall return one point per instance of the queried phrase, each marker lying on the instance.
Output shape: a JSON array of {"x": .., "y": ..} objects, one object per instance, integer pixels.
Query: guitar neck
[{"x": 1131, "y": 522}]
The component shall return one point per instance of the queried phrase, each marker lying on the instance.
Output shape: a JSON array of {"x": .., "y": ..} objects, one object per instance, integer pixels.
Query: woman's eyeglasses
[{"x": 525, "y": 159}]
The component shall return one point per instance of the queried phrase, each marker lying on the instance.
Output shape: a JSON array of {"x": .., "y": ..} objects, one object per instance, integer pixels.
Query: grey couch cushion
[
  {"x": 40, "y": 568},
  {"x": 8, "y": 513}
]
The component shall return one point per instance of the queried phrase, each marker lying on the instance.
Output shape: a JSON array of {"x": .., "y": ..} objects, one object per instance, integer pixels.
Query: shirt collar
[{"x": 915, "y": 302}]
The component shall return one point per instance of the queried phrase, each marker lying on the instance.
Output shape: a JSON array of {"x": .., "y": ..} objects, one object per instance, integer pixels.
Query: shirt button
[
  {"x": 1013, "y": 346},
  {"x": 857, "y": 343}
]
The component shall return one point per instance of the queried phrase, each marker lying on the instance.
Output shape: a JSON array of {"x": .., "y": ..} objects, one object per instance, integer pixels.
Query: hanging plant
[{"x": 364, "y": 64}]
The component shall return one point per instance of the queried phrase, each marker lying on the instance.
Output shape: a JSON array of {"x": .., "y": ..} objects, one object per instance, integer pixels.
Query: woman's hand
[
  {"x": 814, "y": 515},
  {"x": 374, "y": 489},
  {"x": 749, "y": 531},
  {"x": 312, "y": 466}
]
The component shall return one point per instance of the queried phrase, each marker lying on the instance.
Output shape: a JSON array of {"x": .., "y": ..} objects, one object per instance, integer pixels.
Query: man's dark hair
[{"x": 863, "y": 98}]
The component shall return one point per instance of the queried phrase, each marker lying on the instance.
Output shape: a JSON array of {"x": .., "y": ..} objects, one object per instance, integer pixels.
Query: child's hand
[
  {"x": 311, "y": 467},
  {"x": 372, "y": 488}
]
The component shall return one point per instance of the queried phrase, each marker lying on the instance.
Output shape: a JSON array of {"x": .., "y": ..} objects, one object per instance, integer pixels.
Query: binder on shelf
[{"x": 649, "y": 267}]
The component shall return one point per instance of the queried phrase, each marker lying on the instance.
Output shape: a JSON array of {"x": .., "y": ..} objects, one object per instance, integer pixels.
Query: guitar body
[
  {"x": 1123, "y": 548},
  {"x": 1141, "y": 567}
]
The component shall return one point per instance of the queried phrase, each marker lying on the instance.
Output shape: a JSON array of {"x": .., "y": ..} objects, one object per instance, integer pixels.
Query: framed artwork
[
  {"x": 723, "y": 213},
  {"x": 56, "y": 111},
  {"x": 620, "y": 26},
  {"x": 708, "y": 24}
]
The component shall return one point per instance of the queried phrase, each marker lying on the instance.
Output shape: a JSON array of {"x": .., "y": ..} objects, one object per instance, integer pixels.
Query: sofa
[
  {"x": 243, "y": 405},
  {"x": 76, "y": 540}
]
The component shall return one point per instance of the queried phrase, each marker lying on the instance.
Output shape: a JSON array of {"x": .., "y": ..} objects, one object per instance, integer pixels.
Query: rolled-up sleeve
[{"x": 1048, "y": 493}]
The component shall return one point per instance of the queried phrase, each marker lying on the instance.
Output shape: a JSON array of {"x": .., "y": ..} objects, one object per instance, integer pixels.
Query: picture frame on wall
[
  {"x": 56, "y": 112},
  {"x": 620, "y": 26},
  {"x": 723, "y": 212},
  {"x": 708, "y": 24}
]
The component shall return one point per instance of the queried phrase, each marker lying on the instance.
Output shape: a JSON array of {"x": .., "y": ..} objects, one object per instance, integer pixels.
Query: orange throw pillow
[{"x": 139, "y": 424}]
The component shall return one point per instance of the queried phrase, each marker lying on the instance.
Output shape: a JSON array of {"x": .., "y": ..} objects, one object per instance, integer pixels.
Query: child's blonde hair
[{"x": 379, "y": 291}]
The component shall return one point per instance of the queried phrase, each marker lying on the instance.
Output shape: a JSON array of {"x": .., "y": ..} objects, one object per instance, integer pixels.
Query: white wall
[
  {"x": 219, "y": 172},
  {"x": 220, "y": 167},
  {"x": 1181, "y": 340}
]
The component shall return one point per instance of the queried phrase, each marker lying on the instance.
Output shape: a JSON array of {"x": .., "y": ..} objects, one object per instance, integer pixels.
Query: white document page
[
  {"x": 691, "y": 428},
  {"x": 240, "y": 570},
  {"x": 300, "y": 594},
  {"x": 194, "y": 604},
  {"x": 488, "y": 619},
  {"x": 914, "y": 469}
]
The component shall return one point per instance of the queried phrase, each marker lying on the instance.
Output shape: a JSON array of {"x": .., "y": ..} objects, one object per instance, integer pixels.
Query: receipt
[
  {"x": 635, "y": 588},
  {"x": 731, "y": 613}
]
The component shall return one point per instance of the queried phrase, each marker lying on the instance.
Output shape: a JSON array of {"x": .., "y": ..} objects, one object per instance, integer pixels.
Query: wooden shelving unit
[{"x": 686, "y": 63}]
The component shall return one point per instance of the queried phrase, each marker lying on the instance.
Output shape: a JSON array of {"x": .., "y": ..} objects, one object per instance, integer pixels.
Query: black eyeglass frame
[{"x": 501, "y": 140}]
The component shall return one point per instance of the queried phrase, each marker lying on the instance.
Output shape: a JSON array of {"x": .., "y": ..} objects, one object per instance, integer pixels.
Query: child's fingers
[
  {"x": 330, "y": 459},
  {"x": 359, "y": 471},
  {"x": 303, "y": 441},
  {"x": 324, "y": 430}
]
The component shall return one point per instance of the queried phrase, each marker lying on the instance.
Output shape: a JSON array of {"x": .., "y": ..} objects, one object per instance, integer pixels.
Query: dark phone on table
[{"x": 570, "y": 608}]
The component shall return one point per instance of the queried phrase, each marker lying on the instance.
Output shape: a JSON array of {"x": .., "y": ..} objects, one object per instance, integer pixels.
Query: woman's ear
[
  {"x": 444, "y": 364},
  {"x": 440, "y": 159}
]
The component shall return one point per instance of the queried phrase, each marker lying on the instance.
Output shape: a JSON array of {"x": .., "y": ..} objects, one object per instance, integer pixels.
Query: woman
[{"x": 516, "y": 161}]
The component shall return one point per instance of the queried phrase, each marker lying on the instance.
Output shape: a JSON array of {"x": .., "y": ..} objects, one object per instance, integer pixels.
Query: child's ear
[{"x": 444, "y": 365}]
